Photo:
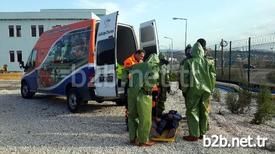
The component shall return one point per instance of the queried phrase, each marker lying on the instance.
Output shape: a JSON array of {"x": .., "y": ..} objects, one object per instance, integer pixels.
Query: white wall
[{"x": 48, "y": 18}]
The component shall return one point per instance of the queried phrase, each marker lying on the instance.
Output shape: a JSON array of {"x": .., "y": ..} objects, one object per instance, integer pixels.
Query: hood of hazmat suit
[
  {"x": 145, "y": 75},
  {"x": 198, "y": 73}
]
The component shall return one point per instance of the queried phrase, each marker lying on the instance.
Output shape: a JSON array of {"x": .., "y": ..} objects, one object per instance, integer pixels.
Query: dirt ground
[{"x": 11, "y": 76}]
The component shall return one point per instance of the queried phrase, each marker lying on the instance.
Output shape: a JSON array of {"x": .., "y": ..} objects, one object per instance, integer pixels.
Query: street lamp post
[
  {"x": 171, "y": 39},
  {"x": 185, "y": 28}
]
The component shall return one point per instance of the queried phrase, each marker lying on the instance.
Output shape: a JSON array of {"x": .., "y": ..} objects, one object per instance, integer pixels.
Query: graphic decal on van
[{"x": 70, "y": 50}]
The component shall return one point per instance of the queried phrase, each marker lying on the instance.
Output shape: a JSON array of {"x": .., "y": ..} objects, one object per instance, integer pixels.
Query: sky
[{"x": 209, "y": 19}]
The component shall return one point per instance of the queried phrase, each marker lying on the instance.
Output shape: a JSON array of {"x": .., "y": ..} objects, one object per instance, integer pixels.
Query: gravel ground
[
  {"x": 44, "y": 125},
  {"x": 9, "y": 85}
]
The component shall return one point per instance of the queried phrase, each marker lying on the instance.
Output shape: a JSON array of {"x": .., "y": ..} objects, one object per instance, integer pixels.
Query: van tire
[
  {"x": 99, "y": 101},
  {"x": 85, "y": 102},
  {"x": 74, "y": 102},
  {"x": 25, "y": 91}
]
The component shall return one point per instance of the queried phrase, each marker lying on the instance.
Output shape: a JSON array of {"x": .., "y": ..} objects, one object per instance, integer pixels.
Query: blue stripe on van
[
  {"x": 60, "y": 90},
  {"x": 31, "y": 79}
]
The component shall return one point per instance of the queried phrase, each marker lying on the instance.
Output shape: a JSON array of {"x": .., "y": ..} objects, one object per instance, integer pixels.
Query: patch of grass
[
  {"x": 216, "y": 95},
  {"x": 232, "y": 102},
  {"x": 244, "y": 101},
  {"x": 265, "y": 107},
  {"x": 236, "y": 74},
  {"x": 239, "y": 103},
  {"x": 271, "y": 76}
]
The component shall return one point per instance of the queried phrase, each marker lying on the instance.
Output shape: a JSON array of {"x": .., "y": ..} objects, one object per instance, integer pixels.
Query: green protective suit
[
  {"x": 119, "y": 71},
  {"x": 143, "y": 77},
  {"x": 198, "y": 77},
  {"x": 163, "y": 87}
]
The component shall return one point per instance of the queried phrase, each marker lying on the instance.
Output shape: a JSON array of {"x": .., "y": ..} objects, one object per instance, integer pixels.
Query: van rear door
[
  {"x": 105, "y": 72},
  {"x": 149, "y": 38}
]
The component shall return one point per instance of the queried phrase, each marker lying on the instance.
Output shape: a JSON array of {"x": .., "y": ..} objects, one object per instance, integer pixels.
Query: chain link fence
[{"x": 250, "y": 60}]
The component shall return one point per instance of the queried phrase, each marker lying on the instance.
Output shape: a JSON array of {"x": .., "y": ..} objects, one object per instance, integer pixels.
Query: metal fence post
[
  {"x": 216, "y": 56},
  {"x": 249, "y": 55},
  {"x": 230, "y": 60},
  {"x": 222, "y": 58}
]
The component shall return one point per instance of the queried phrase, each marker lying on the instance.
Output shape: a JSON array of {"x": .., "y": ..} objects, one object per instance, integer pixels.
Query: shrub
[
  {"x": 271, "y": 76},
  {"x": 217, "y": 95},
  {"x": 232, "y": 102},
  {"x": 244, "y": 101},
  {"x": 239, "y": 103},
  {"x": 265, "y": 107}
]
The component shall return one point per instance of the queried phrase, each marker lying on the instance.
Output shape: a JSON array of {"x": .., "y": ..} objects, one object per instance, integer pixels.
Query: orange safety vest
[{"x": 130, "y": 61}]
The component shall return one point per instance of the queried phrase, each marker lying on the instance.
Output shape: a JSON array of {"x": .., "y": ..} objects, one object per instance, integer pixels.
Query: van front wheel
[
  {"x": 25, "y": 91},
  {"x": 73, "y": 101}
]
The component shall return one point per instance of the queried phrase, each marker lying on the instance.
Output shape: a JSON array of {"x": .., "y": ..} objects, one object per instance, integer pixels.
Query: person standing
[
  {"x": 188, "y": 52},
  {"x": 163, "y": 87},
  {"x": 143, "y": 77},
  {"x": 135, "y": 58},
  {"x": 198, "y": 78}
]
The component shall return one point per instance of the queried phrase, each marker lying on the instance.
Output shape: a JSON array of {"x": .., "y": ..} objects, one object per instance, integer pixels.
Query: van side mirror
[{"x": 21, "y": 65}]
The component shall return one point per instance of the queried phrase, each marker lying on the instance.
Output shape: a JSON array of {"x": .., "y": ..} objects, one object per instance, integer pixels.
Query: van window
[
  {"x": 106, "y": 52},
  {"x": 147, "y": 34},
  {"x": 31, "y": 60},
  {"x": 68, "y": 54}
]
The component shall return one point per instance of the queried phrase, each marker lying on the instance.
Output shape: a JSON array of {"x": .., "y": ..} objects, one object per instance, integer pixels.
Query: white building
[{"x": 19, "y": 31}]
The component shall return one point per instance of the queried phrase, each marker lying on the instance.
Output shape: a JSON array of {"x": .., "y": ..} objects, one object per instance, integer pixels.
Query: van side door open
[
  {"x": 149, "y": 38},
  {"x": 105, "y": 74}
]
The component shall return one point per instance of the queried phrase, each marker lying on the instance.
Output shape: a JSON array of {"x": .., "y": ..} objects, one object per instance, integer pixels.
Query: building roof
[{"x": 54, "y": 14}]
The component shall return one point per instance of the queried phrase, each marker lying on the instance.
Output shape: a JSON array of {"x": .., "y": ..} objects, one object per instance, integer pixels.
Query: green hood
[
  {"x": 153, "y": 59},
  {"x": 146, "y": 74},
  {"x": 197, "y": 51},
  {"x": 161, "y": 56}
]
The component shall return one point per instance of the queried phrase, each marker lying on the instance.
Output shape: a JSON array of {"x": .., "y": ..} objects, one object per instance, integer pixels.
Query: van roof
[{"x": 48, "y": 38}]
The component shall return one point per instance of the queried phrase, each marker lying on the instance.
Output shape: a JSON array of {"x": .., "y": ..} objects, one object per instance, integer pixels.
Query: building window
[
  {"x": 33, "y": 30},
  {"x": 11, "y": 30},
  {"x": 40, "y": 29},
  {"x": 19, "y": 56},
  {"x": 12, "y": 56},
  {"x": 18, "y": 30}
]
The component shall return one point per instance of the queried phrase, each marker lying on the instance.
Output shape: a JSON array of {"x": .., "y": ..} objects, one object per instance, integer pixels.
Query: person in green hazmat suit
[
  {"x": 119, "y": 72},
  {"x": 198, "y": 78},
  {"x": 188, "y": 55},
  {"x": 163, "y": 85},
  {"x": 142, "y": 78}
]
